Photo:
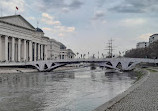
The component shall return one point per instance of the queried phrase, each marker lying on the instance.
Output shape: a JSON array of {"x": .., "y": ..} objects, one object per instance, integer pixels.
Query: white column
[
  {"x": 35, "y": 52},
  {"x": 6, "y": 48},
  {"x": 30, "y": 51},
  {"x": 24, "y": 50},
  {"x": 45, "y": 52},
  {"x": 38, "y": 51},
  {"x": 42, "y": 52},
  {"x": 19, "y": 50},
  {"x": 13, "y": 49},
  {"x": 0, "y": 47}
]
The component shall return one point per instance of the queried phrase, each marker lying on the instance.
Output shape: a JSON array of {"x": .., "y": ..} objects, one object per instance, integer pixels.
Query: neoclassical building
[
  {"x": 66, "y": 53},
  {"x": 20, "y": 41},
  {"x": 53, "y": 49},
  {"x": 70, "y": 54}
]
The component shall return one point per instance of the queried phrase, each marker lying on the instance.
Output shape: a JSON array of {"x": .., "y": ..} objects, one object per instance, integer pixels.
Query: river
[{"x": 70, "y": 90}]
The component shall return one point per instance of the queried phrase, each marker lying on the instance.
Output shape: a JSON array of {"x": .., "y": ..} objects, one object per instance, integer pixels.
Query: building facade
[
  {"x": 70, "y": 54},
  {"x": 63, "y": 51},
  {"x": 66, "y": 53},
  {"x": 53, "y": 49},
  {"x": 153, "y": 38},
  {"x": 142, "y": 44},
  {"x": 20, "y": 41}
]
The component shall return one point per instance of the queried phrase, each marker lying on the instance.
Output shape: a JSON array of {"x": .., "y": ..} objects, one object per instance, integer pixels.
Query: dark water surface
[{"x": 76, "y": 90}]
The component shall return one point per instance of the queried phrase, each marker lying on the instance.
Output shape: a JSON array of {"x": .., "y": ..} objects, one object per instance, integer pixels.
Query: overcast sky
[{"x": 87, "y": 25}]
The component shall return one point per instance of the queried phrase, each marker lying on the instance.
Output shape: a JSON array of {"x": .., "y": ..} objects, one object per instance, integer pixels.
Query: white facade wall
[
  {"x": 66, "y": 54},
  {"x": 153, "y": 38},
  {"x": 63, "y": 54},
  {"x": 142, "y": 44},
  {"x": 53, "y": 49}
]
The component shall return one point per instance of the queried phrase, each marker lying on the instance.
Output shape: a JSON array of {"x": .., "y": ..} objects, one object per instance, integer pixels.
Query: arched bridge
[{"x": 114, "y": 63}]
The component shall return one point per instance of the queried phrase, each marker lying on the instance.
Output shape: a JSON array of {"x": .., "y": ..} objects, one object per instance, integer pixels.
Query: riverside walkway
[{"x": 144, "y": 97}]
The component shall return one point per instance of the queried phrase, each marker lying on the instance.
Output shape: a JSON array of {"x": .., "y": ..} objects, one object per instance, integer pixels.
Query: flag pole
[
  {"x": 16, "y": 8},
  {"x": 15, "y": 11}
]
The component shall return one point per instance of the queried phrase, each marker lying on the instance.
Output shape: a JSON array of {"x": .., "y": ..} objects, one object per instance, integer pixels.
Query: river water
[{"x": 72, "y": 90}]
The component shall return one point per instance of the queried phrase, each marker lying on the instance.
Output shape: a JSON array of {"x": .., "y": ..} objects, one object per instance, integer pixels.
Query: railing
[{"x": 87, "y": 60}]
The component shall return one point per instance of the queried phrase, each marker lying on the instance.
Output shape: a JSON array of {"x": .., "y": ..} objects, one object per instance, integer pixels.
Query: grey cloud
[
  {"x": 101, "y": 3},
  {"x": 99, "y": 15},
  {"x": 136, "y": 6},
  {"x": 75, "y": 4},
  {"x": 45, "y": 5},
  {"x": 127, "y": 9}
]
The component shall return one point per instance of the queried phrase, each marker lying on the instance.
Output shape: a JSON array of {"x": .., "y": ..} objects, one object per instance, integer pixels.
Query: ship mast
[{"x": 110, "y": 48}]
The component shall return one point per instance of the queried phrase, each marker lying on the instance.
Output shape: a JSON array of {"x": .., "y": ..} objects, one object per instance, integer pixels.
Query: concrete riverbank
[{"x": 142, "y": 96}]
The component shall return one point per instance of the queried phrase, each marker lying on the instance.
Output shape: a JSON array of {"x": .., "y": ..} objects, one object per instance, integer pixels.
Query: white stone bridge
[{"x": 113, "y": 63}]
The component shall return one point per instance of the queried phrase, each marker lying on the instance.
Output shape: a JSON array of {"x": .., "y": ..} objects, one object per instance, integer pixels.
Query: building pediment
[{"x": 17, "y": 20}]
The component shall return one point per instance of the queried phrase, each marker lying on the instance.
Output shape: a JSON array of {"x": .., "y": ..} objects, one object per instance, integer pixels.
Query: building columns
[
  {"x": 13, "y": 49},
  {"x": 6, "y": 48},
  {"x": 19, "y": 50},
  {"x": 45, "y": 52},
  {"x": 24, "y": 50},
  {"x": 42, "y": 52},
  {"x": 0, "y": 47},
  {"x": 30, "y": 50},
  {"x": 39, "y": 52},
  {"x": 35, "y": 52}
]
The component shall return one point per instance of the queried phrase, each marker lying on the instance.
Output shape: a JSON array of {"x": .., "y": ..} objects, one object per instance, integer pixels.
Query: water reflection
[{"x": 75, "y": 90}]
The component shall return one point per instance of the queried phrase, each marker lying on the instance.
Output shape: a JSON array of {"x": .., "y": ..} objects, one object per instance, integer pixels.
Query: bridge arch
[
  {"x": 119, "y": 65},
  {"x": 114, "y": 63}
]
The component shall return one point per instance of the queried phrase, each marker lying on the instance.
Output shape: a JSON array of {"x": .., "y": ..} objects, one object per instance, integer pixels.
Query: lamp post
[{"x": 88, "y": 54}]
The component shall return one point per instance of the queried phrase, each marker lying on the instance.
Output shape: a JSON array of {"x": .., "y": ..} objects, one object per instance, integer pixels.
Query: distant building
[
  {"x": 142, "y": 44},
  {"x": 153, "y": 38},
  {"x": 70, "y": 54},
  {"x": 63, "y": 51},
  {"x": 53, "y": 49},
  {"x": 66, "y": 53}
]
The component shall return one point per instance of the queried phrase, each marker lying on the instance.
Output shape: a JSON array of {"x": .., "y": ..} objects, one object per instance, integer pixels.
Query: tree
[{"x": 149, "y": 52}]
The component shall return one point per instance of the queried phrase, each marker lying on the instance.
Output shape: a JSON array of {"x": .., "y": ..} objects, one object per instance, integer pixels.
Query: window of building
[{"x": 51, "y": 46}]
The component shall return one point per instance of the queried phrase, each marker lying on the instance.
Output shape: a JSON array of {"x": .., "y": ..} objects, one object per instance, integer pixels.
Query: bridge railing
[{"x": 89, "y": 59}]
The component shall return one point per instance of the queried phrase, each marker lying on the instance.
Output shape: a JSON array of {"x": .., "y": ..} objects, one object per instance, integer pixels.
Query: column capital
[
  {"x": 6, "y": 35},
  {"x": 30, "y": 41}
]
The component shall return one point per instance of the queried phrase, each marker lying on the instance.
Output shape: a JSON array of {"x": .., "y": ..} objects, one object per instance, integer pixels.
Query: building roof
[
  {"x": 45, "y": 37},
  {"x": 142, "y": 42},
  {"x": 39, "y": 30},
  {"x": 17, "y": 20},
  {"x": 62, "y": 46},
  {"x": 70, "y": 51},
  {"x": 154, "y": 35}
]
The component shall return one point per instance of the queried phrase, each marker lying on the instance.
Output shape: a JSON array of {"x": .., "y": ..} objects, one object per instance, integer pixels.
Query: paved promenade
[{"x": 143, "y": 98}]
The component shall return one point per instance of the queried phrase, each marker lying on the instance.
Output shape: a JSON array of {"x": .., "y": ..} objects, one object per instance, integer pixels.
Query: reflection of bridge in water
[{"x": 113, "y": 63}]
